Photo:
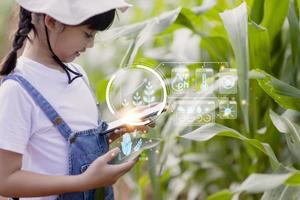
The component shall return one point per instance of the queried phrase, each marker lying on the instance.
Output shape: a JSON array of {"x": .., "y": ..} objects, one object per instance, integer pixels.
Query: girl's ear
[{"x": 53, "y": 24}]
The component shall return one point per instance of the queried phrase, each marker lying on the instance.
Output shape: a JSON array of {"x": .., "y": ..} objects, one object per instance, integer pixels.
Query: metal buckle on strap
[
  {"x": 72, "y": 138},
  {"x": 57, "y": 121},
  {"x": 104, "y": 125}
]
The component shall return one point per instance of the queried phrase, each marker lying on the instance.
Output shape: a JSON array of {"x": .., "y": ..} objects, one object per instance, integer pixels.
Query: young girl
[{"x": 51, "y": 141}]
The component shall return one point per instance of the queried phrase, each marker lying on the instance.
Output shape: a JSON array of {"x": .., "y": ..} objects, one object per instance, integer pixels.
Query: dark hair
[
  {"x": 25, "y": 26},
  {"x": 101, "y": 21},
  {"x": 98, "y": 22}
]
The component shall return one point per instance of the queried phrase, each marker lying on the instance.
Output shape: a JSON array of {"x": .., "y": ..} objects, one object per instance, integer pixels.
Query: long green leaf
[
  {"x": 209, "y": 131},
  {"x": 294, "y": 38},
  {"x": 236, "y": 24},
  {"x": 183, "y": 17},
  {"x": 131, "y": 31},
  {"x": 285, "y": 95},
  {"x": 257, "y": 183}
]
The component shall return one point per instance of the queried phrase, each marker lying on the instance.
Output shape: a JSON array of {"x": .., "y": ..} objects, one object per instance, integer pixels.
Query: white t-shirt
[{"x": 25, "y": 129}]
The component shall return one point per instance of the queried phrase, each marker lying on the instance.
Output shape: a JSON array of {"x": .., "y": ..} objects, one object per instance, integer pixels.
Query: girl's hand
[{"x": 100, "y": 173}]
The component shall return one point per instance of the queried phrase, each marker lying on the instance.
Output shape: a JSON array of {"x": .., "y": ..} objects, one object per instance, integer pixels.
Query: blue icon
[
  {"x": 126, "y": 144},
  {"x": 138, "y": 145},
  {"x": 204, "y": 78},
  {"x": 204, "y": 84},
  {"x": 228, "y": 109}
]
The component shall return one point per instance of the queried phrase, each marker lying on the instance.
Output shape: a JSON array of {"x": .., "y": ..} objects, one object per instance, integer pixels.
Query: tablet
[{"x": 146, "y": 114}]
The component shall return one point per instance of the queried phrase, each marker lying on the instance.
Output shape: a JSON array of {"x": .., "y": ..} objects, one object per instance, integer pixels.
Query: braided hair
[{"x": 25, "y": 26}]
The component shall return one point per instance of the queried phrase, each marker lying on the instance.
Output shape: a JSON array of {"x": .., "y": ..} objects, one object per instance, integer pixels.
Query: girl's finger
[
  {"x": 111, "y": 154},
  {"x": 120, "y": 130},
  {"x": 123, "y": 168}
]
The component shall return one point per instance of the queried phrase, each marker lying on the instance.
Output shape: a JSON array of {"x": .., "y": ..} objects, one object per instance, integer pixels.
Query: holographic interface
[
  {"x": 197, "y": 93},
  {"x": 201, "y": 92}
]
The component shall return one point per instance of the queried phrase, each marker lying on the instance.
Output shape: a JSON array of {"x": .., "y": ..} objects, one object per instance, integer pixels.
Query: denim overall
[{"x": 84, "y": 146}]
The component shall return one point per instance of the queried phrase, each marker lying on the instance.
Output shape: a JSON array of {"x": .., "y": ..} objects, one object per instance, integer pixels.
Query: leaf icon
[
  {"x": 138, "y": 145},
  {"x": 126, "y": 144}
]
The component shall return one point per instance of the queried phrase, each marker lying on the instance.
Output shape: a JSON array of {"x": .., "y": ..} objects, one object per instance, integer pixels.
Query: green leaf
[
  {"x": 259, "y": 45},
  {"x": 142, "y": 32},
  {"x": 217, "y": 47},
  {"x": 205, "y": 6},
  {"x": 294, "y": 28},
  {"x": 282, "y": 193},
  {"x": 278, "y": 122},
  {"x": 125, "y": 60},
  {"x": 294, "y": 179},
  {"x": 146, "y": 33},
  {"x": 291, "y": 131},
  {"x": 131, "y": 31},
  {"x": 189, "y": 19},
  {"x": 285, "y": 95},
  {"x": 257, "y": 183},
  {"x": 294, "y": 34},
  {"x": 278, "y": 8},
  {"x": 298, "y": 4},
  {"x": 209, "y": 131},
  {"x": 222, "y": 195},
  {"x": 257, "y": 10},
  {"x": 180, "y": 16},
  {"x": 236, "y": 24}
]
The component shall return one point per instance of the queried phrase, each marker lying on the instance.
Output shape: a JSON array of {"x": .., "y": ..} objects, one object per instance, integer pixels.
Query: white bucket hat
[{"x": 73, "y": 12}]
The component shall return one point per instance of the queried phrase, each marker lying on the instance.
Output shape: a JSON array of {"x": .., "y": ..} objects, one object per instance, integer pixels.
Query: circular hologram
[{"x": 132, "y": 90}]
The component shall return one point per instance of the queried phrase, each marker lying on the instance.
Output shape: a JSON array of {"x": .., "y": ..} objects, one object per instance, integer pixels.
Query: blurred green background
[{"x": 253, "y": 157}]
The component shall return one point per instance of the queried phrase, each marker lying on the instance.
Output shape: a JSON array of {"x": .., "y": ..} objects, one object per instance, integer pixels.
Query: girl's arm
[{"x": 15, "y": 182}]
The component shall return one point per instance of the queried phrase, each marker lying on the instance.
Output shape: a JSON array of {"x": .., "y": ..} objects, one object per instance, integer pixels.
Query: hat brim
[{"x": 73, "y": 13}]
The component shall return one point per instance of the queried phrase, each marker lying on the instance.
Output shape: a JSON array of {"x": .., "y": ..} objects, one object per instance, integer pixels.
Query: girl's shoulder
[{"x": 12, "y": 91}]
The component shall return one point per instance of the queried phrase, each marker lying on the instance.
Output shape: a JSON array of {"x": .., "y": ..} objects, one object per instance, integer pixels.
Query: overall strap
[{"x": 49, "y": 111}]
